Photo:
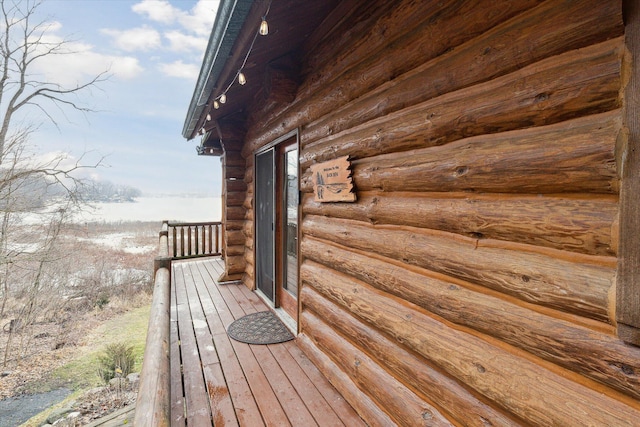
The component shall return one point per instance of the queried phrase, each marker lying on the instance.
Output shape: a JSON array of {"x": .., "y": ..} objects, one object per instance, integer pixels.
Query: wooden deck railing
[
  {"x": 153, "y": 406},
  {"x": 195, "y": 239},
  {"x": 177, "y": 241}
]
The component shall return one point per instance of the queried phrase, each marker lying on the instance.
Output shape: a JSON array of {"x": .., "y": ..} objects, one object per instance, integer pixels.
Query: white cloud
[
  {"x": 84, "y": 64},
  {"x": 179, "y": 42},
  {"x": 125, "y": 67},
  {"x": 135, "y": 39},
  {"x": 180, "y": 69},
  {"x": 200, "y": 19},
  {"x": 157, "y": 10}
]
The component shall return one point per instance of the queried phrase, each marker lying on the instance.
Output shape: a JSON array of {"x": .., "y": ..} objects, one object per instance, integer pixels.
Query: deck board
[
  {"x": 219, "y": 397},
  {"x": 197, "y": 407},
  {"x": 225, "y": 382},
  {"x": 177, "y": 392},
  {"x": 245, "y": 406}
]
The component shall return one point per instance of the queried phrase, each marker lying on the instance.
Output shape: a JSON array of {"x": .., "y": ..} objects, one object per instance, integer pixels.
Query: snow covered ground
[
  {"x": 123, "y": 241},
  {"x": 145, "y": 209},
  {"x": 173, "y": 208}
]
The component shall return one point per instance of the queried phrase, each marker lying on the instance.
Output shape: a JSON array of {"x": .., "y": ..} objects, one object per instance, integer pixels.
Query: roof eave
[{"x": 230, "y": 19}]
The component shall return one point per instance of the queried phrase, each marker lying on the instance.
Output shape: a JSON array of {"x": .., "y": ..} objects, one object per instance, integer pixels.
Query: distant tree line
[
  {"x": 106, "y": 191},
  {"x": 34, "y": 192}
]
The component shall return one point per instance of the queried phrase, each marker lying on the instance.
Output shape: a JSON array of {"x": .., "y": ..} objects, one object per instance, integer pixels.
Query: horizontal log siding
[
  {"x": 473, "y": 281},
  {"x": 234, "y": 190}
]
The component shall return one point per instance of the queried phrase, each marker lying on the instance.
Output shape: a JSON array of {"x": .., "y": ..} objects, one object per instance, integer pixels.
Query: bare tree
[
  {"x": 29, "y": 185},
  {"x": 22, "y": 45}
]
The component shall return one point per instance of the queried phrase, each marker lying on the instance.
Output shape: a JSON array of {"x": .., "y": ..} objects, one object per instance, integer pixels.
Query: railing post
[
  {"x": 202, "y": 239},
  {"x": 163, "y": 260},
  {"x": 175, "y": 242},
  {"x": 203, "y": 230},
  {"x": 181, "y": 241},
  {"x": 217, "y": 238},
  {"x": 210, "y": 241},
  {"x": 189, "y": 240},
  {"x": 196, "y": 236}
]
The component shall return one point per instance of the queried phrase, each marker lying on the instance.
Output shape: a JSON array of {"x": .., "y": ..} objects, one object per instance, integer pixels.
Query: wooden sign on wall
[{"x": 332, "y": 181}]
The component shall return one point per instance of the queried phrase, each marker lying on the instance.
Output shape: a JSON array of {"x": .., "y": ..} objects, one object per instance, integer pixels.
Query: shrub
[
  {"x": 116, "y": 356},
  {"x": 102, "y": 301}
]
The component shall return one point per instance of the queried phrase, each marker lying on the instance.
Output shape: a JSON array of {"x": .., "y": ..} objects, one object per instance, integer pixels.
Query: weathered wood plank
[
  {"x": 289, "y": 399},
  {"x": 597, "y": 355},
  {"x": 309, "y": 383},
  {"x": 222, "y": 409},
  {"x": 197, "y": 409},
  {"x": 213, "y": 269},
  {"x": 519, "y": 384},
  {"x": 338, "y": 404},
  {"x": 229, "y": 393},
  {"x": 579, "y": 224},
  {"x": 310, "y": 396},
  {"x": 202, "y": 334},
  {"x": 243, "y": 400},
  {"x": 576, "y": 283},
  {"x": 458, "y": 403},
  {"x": 293, "y": 405},
  {"x": 364, "y": 406},
  {"x": 628, "y": 289},
  {"x": 177, "y": 392},
  {"x": 270, "y": 408}
]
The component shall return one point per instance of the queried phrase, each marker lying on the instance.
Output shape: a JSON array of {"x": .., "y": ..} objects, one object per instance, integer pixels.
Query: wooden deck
[{"x": 217, "y": 380}]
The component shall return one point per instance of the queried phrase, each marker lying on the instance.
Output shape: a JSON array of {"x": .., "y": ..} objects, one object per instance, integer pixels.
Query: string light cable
[{"x": 239, "y": 76}]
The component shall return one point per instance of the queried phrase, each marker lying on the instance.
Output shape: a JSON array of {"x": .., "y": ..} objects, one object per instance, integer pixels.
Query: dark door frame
[{"x": 279, "y": 258}]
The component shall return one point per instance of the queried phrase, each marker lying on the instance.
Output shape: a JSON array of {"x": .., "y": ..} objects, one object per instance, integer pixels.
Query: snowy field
[{"x": 173, "y": 208}]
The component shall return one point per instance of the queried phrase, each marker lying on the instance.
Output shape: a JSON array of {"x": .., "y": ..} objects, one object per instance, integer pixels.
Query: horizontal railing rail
[
  {"x": 194, "y": 239},
  {"x": 153, "y": 405}
]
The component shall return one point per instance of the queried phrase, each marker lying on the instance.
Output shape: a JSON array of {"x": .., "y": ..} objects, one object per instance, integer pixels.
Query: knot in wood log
[
  {"x": 480, "y": 368},
  {"x": 426, "y": 415},
  {"x": 460, "y": 171}
]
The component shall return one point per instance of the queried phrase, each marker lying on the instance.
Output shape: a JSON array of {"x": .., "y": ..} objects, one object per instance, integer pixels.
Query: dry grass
[{"x": 102, "y": 271}]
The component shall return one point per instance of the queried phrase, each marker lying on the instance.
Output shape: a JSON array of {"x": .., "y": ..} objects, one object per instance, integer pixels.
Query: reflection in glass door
[
  {"x": 276, "y": 232},
  {"x": 265, "y": 213},
  {"x": 290, "y": 228}
]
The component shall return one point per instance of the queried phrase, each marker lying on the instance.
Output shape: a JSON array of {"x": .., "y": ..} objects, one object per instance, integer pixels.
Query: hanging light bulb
[
  {"x": 208, "y": 117},
  {"x": 223, "y": 98},
  {"x": 216, "y": 104},
  {"x": 264, "y": 27},
  {"x": 241, "y": 78}
]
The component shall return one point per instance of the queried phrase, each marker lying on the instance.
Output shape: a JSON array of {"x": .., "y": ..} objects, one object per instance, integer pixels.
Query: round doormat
[{"x": 262, "y": 327}]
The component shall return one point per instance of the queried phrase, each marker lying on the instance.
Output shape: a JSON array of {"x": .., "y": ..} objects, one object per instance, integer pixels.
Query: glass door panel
[
  {"x": 265, "y": 219},
  {"x": 290, "y": 274}
]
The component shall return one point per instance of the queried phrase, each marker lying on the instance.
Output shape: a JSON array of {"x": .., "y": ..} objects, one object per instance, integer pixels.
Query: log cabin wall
[
  {"x": 474, "y": 280},
  {"x": 234, "y": 194}
]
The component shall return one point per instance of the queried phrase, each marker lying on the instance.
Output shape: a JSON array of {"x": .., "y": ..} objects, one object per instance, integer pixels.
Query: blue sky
[{"x": 153, "y": 50}]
